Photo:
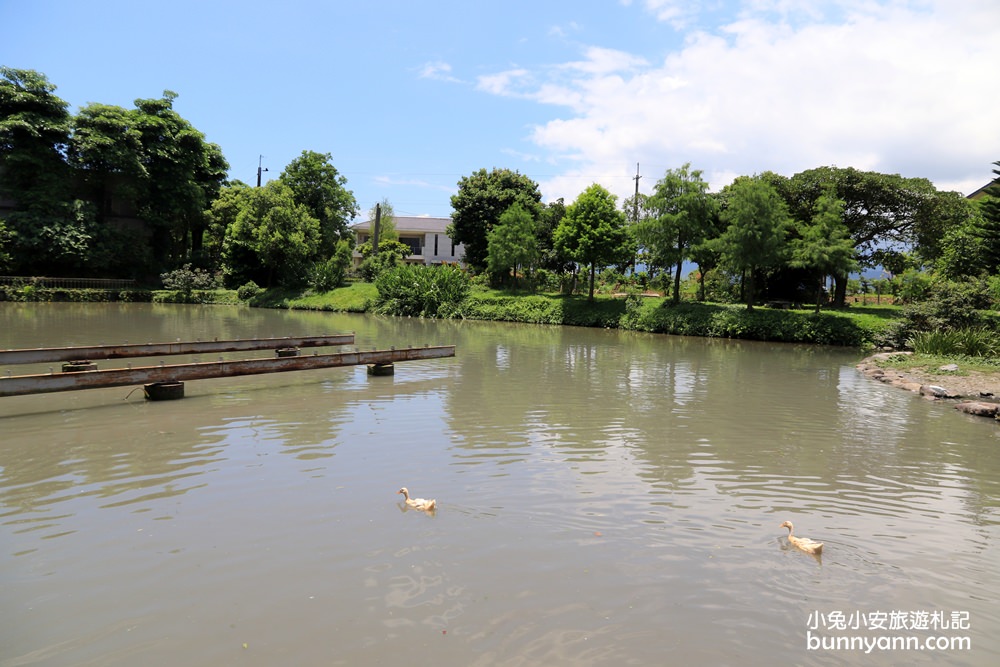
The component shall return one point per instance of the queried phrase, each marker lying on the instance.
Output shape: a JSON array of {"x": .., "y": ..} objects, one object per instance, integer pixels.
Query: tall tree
[
  {"x": 481, "y": 199},
  {"x": 551, "y": 215},
  {"x": 824, "y": 245},
  {"x": 183, "y": 174},
  {"x": 221, "y": 216},
  {"x": 680, "y": 213},
  {"x": 317, "y": 185},
  {"x": 757, "y": 224},
  {"x": 272, "y": 238},
  {"x": 34, "y": 133},
  {"x": 593, "y": 232},
  {"x": 705, "y": 252},
  {"x": 513, "y": 242},
  {"x": 881, "y": 211},
  {"x": 106, "y": 152}
]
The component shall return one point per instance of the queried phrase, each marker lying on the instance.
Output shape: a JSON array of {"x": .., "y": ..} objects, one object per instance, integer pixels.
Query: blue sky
[{"x": 409, "y": 97}]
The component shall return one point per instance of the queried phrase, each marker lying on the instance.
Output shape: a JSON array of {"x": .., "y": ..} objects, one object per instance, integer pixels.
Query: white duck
[
  {"x": 417, "y": 503},
  {"x": 804, "y": 543}
]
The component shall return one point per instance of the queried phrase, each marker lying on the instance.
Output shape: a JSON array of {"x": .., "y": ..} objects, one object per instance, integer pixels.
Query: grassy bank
[
  {"x": 857, "y": 326},
  {"x": 853, "y": 327}
]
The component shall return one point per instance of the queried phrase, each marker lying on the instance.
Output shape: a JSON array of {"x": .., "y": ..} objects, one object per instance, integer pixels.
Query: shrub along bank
[{"x": 854, "y": 327}]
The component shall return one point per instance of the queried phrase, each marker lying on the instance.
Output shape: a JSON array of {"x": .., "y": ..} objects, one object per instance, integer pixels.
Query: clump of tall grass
[
  {"x": 969, "y": 342},
  {"x": 421, "y": 291}
]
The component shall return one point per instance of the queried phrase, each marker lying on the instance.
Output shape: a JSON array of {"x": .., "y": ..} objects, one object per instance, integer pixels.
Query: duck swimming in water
[
  {"x": 804, "y": 543},
  {"x": 417, "y": 503}
]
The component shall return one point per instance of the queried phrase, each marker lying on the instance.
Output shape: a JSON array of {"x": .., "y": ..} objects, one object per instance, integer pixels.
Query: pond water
[{"x": 605, "y": 498}]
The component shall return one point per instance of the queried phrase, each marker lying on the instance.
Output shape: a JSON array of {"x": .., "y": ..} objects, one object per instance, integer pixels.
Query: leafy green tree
[
  {"x": 881, "y": 211},
  {"x": 272, "y": 238},
  {"x": 550, "y": 258},
  {"x": 480, "y": 201},
  {"x": 106, "y": 152},
  {"x": 183, "y": 174},
  {"x": 680, "y": 213},
  {"x": 757, "y": 225},
  {"x": 824, "y": 246},
  {"x": 317, "y": 185},
  {"x": 6, "y": 239},
  {"x": 705, "y": 252},
  {"x": 221, "y": 216},
  {"x": 963, "y": 254},
  {"x": 513, "y": 242},
  {"x": 593, "y": 232},
  {"x": 34, "y": 133}
]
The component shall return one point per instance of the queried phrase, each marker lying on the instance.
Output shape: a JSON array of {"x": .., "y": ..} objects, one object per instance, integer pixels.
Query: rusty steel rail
[
  {"x": 122, "y": 377},
  {"x": 43, "y": 355}
]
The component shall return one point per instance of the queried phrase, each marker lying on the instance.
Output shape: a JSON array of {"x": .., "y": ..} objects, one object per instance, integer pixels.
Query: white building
[{"x": 429, "y": 244}]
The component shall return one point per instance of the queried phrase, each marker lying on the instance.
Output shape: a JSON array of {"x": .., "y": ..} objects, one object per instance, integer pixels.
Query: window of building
[{"x": 413, "y": 242}]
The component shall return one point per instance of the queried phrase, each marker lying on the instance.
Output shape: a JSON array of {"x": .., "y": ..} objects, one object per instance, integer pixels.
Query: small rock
[
  {"x": 979, "y": 408},
  {"x": 949, "y": 368},
  {"x": 936, "y": 391}
]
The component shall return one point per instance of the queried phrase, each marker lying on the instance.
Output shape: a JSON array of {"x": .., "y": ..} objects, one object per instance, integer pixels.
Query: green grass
[
  {"x": 856, "y": 326},
  {"x": 932, "y": 363},
  {"x": 354, "y": 298}
]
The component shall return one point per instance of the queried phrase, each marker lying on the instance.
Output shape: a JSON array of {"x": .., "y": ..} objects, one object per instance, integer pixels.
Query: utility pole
[
  {"x": 635, "y": 202},
  {"x": 377, "y": 228},
  {"x": 259, "y": 159}
]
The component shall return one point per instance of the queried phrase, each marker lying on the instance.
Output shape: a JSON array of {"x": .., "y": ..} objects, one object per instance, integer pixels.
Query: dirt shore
[{"x": 956, "y": 384}]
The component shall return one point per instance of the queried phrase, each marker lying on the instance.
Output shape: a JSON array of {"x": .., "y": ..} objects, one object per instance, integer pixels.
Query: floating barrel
[
  {"x": 163, "y": 391},
  {"x": 381, "y": 369},
  {"x": 78, "y": 366}
]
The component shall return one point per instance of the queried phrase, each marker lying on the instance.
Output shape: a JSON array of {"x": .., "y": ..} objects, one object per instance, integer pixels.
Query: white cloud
[
  {"x": 678, "y": 13},
  {"x": 898, "y": 87},
  {"x": 439, "y": 71},
  {"x": 508, "y": 83}
]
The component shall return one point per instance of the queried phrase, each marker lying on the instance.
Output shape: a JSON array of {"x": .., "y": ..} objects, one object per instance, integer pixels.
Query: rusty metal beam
[
  {"x": 123, "y": 377},
  {"x": 43, "y": 355}
]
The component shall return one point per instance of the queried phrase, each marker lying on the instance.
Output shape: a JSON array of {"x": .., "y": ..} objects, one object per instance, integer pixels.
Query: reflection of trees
[
  {"x": 761, "y": 421},
  {"x": 152, "y": 450}
]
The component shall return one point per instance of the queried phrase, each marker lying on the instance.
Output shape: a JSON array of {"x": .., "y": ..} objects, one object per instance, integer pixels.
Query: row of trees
[
  {"x": 118, "y": 192},
  {"x": 133, "y": 192},
  {"x": 769, "y": 233},
  {"x": 78, "y": 183}
]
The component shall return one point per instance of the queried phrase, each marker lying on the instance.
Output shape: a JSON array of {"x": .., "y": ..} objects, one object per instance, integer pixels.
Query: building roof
[
  {"x": 983, "y": 191},
  {"x": 409, "y": 224}
]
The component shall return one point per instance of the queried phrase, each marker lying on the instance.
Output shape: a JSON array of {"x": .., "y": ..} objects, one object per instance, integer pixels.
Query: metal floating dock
[
  {"x": 43, "y": 355},
  {"x": 176, "y": 373}
]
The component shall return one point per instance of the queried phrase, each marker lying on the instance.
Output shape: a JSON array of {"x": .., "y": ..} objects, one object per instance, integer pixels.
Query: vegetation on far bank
[
  {"x": 768, "y": 242},
  {"x": 855, "y": 327}
]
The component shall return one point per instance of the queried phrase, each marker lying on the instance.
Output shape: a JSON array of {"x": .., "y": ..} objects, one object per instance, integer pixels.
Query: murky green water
[{"x": 605, "y": 499}]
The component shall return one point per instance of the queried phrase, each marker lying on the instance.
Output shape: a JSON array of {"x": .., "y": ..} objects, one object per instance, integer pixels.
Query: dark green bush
[
  {"x": 949, "y": 305},
  {"x": 248, "y": 291}
]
